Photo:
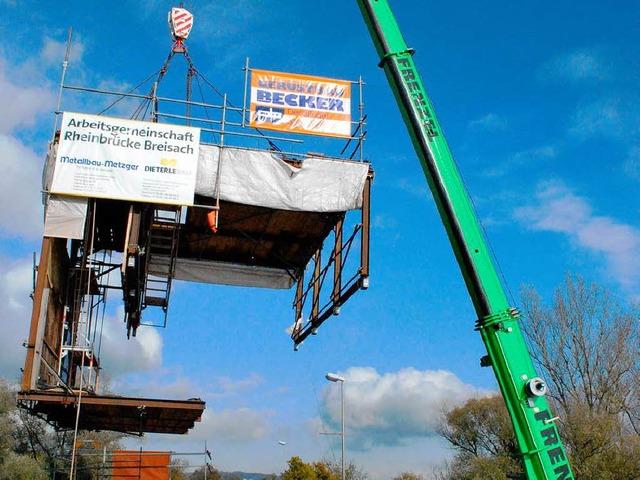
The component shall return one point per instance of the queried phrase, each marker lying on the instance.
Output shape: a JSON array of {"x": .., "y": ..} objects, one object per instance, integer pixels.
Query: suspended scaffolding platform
[{"x": 133, "y": 204}]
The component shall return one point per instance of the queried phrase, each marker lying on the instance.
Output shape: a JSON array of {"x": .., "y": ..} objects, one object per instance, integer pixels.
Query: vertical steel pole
[
  {"x": 65, "y": 64},
  {"x": 342, "y": 423},
  {"x": 244, "y": 98},
  {"x": 361, "y": 110}
]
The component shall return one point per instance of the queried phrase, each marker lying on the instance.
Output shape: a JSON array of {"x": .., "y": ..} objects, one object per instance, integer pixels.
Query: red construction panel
[{"x": 136, "y": 465}]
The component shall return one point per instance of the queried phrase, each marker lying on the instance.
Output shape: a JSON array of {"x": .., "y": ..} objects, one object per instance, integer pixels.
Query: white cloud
[
  {"x": 21, "y": 101},
  {"x": 24, "y": 102},
  {"x": 232, "y": 29},
  {"x": 558, "y": 209},
  {"x": 418, "y": 189},
  {"x": 632, "y": 164},
  {"x": 606, "y": 117},
  {"x": 15, "y": 314},
  {"x": 536, "y": 154},
  {"x": 236, "y": 425},
  {"x": 120, "y": 355},
  {"x": 53, "y": 52},
  {"x": 233, "y": 387},
  {"x": 384, "y": 222},
  {"x": 578, "y": 66},
  {"x": 157, "y": 383},
  {"x": 491, "y": 122},
  {"x": 388, "y": 409},
  {"x": 20, "y": 186},
  {"x": 524, "y": 158}
]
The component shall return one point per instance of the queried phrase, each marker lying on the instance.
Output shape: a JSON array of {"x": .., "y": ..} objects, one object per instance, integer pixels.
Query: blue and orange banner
[{"x": 289, "y": 102}]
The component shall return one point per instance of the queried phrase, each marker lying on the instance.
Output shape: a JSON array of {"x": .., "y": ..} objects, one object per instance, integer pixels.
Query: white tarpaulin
[
  {"x": 261, "y": 178},
  {"x": 222, "y": 273},
  {"x": 65, "y": 217},
  {"x": 248, "y": 177}
]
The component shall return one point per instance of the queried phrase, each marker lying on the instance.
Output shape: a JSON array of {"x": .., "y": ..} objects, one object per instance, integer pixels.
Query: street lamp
[{"x": 332, "y": 377}]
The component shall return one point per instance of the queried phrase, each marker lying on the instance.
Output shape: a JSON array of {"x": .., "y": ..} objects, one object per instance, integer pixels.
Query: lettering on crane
[
  {"x": 556, "y": 455},
  {"x": 416, "y": 92}
]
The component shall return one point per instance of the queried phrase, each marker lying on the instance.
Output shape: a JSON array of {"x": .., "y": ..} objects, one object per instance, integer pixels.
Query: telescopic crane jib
[{"x": 543, "y": 455}]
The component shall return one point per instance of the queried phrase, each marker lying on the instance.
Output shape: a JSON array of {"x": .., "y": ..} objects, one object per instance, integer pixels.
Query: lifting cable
[
  {"x": 125, "y": 95},
  {"x": 143, "y": 108},
  {"x": 272, "y": 146}
]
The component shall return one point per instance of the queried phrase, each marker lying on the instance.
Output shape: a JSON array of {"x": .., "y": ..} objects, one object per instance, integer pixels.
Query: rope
[
  {"x": 89, "y": 257},
  {"x": 272, "y": 145}
]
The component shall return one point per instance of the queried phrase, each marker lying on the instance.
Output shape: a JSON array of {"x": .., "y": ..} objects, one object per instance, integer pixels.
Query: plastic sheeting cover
[
  {"x": 263, "y": 179},
  {"x": 65, "y": 217},
  {"x": 222, "y": 273}
]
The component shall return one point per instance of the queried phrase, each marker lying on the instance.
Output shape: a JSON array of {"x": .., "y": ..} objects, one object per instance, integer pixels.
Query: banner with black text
[{"x": 106, "y": 157}]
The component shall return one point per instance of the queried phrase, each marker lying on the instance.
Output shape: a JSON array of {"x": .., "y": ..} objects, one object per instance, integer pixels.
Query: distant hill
[{"x": 247, "y": 476}]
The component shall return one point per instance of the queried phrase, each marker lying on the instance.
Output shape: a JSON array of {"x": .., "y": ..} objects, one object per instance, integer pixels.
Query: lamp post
[{"x": 332, "y": 377}]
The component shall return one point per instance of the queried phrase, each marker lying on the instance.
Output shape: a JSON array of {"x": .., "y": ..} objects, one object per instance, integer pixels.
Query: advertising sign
[
  {"x": 299, "y": 103},
  {"x": 106, "y": 157}
]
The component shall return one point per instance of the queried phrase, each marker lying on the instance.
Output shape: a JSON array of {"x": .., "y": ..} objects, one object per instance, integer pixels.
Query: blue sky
[{"x": 540, "y": 106}]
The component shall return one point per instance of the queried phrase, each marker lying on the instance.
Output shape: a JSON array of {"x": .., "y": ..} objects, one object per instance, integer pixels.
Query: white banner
[{"x": 107, "y": 157}]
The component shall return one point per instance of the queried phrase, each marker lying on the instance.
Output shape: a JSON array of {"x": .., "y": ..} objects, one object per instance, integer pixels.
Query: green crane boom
[{"x": 543, "y": 455}]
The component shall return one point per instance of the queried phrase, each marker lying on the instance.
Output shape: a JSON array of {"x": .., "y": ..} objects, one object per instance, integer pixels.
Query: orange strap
[{"x": 212, "y": 219}]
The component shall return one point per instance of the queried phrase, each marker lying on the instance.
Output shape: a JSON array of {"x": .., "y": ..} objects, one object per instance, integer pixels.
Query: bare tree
[
  {"x": 587, "y": 345},
  {"x": 351, "y": 471}
]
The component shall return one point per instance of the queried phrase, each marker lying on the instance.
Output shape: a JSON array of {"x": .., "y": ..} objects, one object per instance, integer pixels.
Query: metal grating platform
[{"x": 114, "y": 413}]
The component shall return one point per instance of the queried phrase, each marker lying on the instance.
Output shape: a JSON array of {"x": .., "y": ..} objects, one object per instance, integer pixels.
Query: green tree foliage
[
  {"x": 178, "y": 468},
  {"x": 16, "y": 461},
  {"x": 481, "y": 433},
  {"x": 408, "y": 476},
  {"x": 21, "y": 467},
  {"x": 323, "y": 470},
  {"x": 30, "y": 448},
  {"x": 8, "y": 427},
  {"x": 299, "y": 470},
  {"x": 212, "y": 473}
]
